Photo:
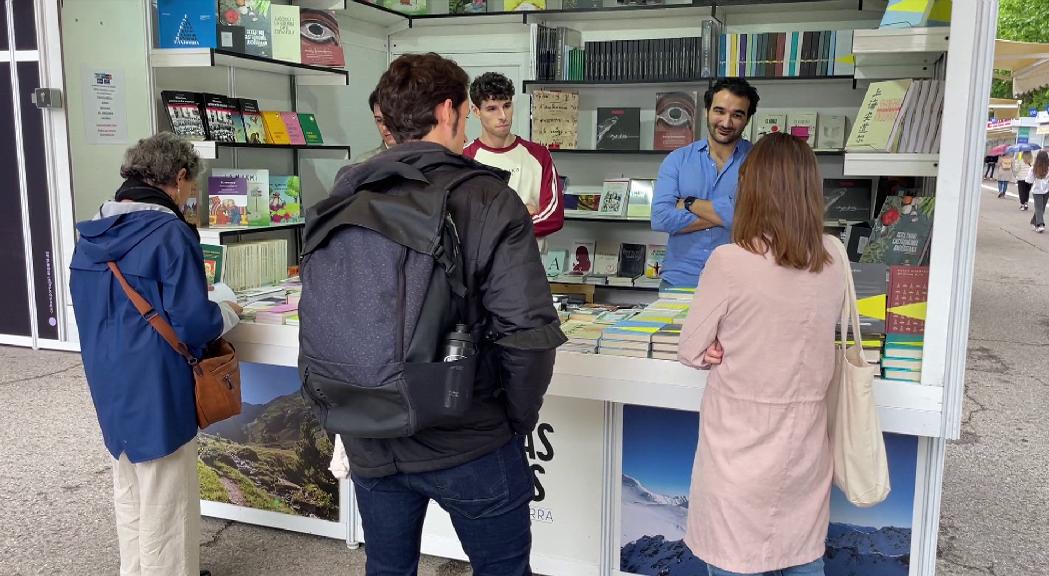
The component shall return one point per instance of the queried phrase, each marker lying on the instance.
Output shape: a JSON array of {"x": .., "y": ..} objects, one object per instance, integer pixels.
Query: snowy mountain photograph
[{"x": 658, "y": 451}]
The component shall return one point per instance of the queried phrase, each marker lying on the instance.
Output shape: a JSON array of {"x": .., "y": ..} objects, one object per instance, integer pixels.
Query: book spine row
[
  {"x": 799, "y": 54},
  {"x": 561, "y": 56}
]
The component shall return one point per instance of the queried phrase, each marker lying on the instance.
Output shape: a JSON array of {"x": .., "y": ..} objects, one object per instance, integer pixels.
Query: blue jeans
[
  {"x": 810, "y": 569},
  {"x": 1003, "y": 186},
  {"x": 487, "y": 500}
]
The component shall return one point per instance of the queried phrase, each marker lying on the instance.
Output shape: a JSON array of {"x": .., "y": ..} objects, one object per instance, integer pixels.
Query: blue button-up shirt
[{"x": 692, "y": 171}]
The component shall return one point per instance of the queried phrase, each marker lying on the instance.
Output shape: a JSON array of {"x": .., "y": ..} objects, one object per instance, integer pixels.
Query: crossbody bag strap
[{"x": 150, "y": 315}]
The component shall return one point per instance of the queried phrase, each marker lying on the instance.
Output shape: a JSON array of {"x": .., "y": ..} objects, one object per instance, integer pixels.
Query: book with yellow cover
[
  {"x": 877, "y": 124},
  {"x": 276, "y": 131}
]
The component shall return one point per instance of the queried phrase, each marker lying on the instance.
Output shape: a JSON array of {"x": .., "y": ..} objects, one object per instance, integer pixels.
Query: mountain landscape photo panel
[
  {"x": 658, "y": 452},
  {"x": 272, "y": 456}
]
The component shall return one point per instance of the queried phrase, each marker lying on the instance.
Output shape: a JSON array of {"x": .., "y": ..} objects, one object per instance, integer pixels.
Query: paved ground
[{"x": 55, "y": 510}]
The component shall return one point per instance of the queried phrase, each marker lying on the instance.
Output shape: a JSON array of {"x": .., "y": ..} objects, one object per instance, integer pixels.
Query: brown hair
[
  {"x": 412, "y": 87},
  {"x": 779, "y": 206},
  {"x": 1041, "y": 165}
]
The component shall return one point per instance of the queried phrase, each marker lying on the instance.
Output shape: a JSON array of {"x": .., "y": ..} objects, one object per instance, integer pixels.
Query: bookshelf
[
  {"x": 304, "y": 74},
  {"x": 208, "y": 149},
  {"x": 874, "y": 164},
  {"x": 589, "y": 151},
  {"x": 899, "y": 53}
]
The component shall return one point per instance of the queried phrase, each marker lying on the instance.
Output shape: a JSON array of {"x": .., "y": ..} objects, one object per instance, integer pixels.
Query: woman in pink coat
[{"x": 763, "y": 321}]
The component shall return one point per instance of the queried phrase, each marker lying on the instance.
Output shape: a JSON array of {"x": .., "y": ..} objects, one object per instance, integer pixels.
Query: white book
[
  {"x": 803, "y": 120},
  {"x": 614, "y": 197},
  {"x": 931, "y": 139},
  {"x": 769, "y": 122},
  {"x": 897, "y": 127},
  {"x": 831, "y": 132},
  {"x": 914, "y": 115},
  {"x": 925, "y": 119},
  {"x": 844, "y": 61}
]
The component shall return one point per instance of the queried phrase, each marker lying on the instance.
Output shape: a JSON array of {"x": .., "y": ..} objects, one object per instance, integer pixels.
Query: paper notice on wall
[{"x": 105, "y": 111}]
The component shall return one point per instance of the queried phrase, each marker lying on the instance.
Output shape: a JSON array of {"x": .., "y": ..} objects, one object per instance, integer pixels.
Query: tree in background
[{"x": 1023, "y": 21}]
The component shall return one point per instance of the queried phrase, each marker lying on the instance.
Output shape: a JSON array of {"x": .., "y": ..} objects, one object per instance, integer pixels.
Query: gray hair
[{"x": 159, "y": 158}]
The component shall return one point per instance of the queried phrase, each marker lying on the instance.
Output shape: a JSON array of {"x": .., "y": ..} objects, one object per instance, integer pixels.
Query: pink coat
[{"x": 760, "y": 496}]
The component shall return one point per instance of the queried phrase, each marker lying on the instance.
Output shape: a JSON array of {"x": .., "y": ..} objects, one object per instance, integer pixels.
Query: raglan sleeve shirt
[{"x": 550, "y": 216}]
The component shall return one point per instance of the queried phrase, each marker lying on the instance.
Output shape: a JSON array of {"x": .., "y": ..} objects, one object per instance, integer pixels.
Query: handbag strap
[
  {"x": 849, "y": 310},
  {"x": 150, "y": 315}
]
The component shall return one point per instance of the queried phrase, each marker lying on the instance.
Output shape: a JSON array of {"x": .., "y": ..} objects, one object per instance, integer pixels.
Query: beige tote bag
[{"x": 861, "y": 468}]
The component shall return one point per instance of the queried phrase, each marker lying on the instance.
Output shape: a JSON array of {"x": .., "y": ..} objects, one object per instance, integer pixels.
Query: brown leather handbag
[{"x": 216, "y": 373}]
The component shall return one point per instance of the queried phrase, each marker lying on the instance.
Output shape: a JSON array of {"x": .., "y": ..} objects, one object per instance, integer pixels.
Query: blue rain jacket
[{"x": 142, "y": 389}]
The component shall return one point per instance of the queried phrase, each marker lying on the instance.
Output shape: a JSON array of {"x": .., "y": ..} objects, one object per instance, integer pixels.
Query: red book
[
  {"x": 321, "y": 42},
  {"x": 907, "y": 285}
]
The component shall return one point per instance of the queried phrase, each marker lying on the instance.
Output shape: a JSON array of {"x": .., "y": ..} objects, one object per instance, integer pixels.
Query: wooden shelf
[{"x": 210, "y": 57}]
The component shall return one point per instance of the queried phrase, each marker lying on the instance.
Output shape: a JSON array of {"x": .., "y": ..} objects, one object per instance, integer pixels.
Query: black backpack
[{"x": 382, "y": 287}]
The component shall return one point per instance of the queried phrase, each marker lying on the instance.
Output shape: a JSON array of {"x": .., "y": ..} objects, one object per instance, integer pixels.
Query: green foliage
[{"x": 1023, "y": 21}]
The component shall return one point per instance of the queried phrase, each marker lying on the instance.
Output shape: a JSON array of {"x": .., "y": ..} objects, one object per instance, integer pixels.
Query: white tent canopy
[{"x": 1026, "y": 62}]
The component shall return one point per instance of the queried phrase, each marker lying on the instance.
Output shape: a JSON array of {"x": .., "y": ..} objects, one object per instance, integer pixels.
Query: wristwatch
[{"x": 688, "y": 202}]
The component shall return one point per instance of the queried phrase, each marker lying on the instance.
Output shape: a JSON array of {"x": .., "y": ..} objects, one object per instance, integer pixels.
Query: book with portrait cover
[
  {"x": 675, "y": 120},
  {"x": 320, "y": 40}
]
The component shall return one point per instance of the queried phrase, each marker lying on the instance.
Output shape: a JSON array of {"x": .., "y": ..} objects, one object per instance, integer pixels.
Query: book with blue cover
[{"x": 186, "y": 24}]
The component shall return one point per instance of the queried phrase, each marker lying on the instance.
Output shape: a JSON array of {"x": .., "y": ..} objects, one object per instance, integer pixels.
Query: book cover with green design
[{"x": 310, "y": 129}]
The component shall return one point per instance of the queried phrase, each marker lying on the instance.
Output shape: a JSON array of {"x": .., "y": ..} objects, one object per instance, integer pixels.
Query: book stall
[{"x": 889, "y": 95}]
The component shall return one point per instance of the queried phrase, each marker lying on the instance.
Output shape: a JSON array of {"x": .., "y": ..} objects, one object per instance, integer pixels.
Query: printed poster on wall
[
  {"x": 659, "y": 448},
  {"x": 273, "y": 456},
  {"x": 105, "y": 111},
  {"x": 565, "y": 452}
]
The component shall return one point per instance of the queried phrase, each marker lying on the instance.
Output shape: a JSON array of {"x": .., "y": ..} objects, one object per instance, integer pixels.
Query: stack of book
[
  {"x": 665, "y": 342},
  {"x": 583, "y": 337},
  {"x": 631, "y": 337},
  {"x": 256, "y": 264},
  {"x": 278, "y": 314},
  {"x": 651, "y": 332},
  {"x": 905, "y": 322},
  {"x": 899, "y": 116}
]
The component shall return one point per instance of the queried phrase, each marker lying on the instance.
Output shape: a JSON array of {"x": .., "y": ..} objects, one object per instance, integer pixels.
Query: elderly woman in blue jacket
[{"x": 142, "y": 389}]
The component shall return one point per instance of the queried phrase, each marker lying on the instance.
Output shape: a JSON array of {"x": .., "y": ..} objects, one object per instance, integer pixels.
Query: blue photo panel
[{"x": 659, "y": 448}]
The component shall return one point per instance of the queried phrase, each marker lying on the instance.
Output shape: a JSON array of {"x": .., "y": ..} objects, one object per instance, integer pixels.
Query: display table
[{"x": 612, "y": 465}]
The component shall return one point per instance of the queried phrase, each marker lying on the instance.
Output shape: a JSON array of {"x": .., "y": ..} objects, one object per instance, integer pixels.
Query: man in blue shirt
[{"x": 695, "y": 194}]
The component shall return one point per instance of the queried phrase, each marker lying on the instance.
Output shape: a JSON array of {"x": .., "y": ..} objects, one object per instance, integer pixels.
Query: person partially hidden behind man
[
  {"x": 384, "y": 133},
  {"x": 695, "y": 194},
  {"x": 473, "y": 465}
]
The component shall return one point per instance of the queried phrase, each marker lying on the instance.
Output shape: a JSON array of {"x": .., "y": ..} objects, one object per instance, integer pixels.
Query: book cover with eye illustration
[
  {"x": 321, "y": 42},
  {"x": 675, "y": 120},
  {"x": 618, "y": 129}
]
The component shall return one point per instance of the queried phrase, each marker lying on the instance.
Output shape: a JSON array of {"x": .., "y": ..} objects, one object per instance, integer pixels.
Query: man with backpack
[{"x": 428, "y": 333}]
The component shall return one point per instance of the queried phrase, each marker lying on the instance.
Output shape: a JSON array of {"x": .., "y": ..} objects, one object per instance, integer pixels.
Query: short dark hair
[
  {"x": 491, "y": 86},
  {"x": 736, "y": 86},
  {"x": 412, "y": 87},
  {"x": 373, "y": 99}
]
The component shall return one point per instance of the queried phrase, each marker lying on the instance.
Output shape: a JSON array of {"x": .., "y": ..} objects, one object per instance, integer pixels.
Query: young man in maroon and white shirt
[{"x": 532, "y": 172}]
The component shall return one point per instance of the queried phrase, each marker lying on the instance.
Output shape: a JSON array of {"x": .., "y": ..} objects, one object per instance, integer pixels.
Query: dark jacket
[
  {"x": 141, "y": 388},
  {"x": 502, "y": 263}
]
